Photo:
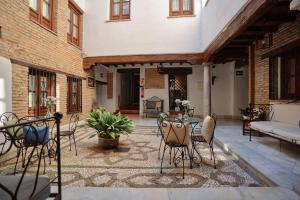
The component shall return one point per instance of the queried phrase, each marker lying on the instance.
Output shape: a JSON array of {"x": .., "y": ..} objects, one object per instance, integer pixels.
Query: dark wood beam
[
  {"x": 139, "y": 59},
  {"x": 282, "y": 49}
]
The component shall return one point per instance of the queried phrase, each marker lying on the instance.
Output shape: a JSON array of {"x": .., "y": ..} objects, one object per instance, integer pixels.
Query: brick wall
[
  {"x": 27, "y": 41},
  {"x": 286, "y": 33}
]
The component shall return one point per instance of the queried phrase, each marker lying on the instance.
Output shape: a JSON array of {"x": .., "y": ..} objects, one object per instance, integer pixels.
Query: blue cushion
[{"x": 30, "y": 136}]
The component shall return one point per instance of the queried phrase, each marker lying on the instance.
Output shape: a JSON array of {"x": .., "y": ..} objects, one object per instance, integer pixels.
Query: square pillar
[{"x": 206, "y": 89}]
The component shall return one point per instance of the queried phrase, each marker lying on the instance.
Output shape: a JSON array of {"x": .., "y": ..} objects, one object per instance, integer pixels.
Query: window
[
  {"x": 285, "y": 75},
  {"x": 181, "y": 7},
  {"x": 74, "y": 95},
  {"x": 41, "y": 11},
  {"x": 119, "y": 9},
  {"x": 41, "y": 84},
  {"x": 73, "y": 24}
]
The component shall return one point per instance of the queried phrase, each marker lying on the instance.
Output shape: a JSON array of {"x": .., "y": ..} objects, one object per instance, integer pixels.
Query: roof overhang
[
  {"x": 256, "y": 21},
  {"x": 192, "y": 58}
]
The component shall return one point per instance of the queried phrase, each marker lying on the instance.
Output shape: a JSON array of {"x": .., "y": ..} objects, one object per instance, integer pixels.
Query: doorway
[
  {"x": 129, "y": 100},
  {"x": 177, "y": 89}
]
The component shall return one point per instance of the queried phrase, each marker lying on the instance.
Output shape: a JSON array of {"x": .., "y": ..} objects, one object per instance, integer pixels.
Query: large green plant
[{"x": 109, "y": 125}]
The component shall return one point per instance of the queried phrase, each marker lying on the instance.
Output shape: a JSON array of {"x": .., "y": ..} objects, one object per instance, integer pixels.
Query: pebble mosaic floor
[{"x": 135, "y": 164}]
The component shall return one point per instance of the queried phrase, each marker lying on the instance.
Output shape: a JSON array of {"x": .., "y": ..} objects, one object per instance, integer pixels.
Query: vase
[
  {"x": 108, "y": 143},
  {"x": 186, "y": 115}
]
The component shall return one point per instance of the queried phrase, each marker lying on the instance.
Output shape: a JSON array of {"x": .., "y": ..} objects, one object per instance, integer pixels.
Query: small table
[{"x": 175, "y": 113}]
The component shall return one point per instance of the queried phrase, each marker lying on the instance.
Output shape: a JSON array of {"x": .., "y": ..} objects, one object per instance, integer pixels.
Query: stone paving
[
  {"x": 227, "y": 193},
  {"x": 281, "y": 165}
]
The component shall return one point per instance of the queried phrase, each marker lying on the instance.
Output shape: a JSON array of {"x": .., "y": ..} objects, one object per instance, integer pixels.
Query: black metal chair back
[
  {"x": 5, "y": 117},
  {"x": 176, "y": 136},
  {"x": 5, "y": 139},
  {"x": 175, "y": 133},
  {"x": 20, "y": 184},
  {"x": 73, "y": 122}
]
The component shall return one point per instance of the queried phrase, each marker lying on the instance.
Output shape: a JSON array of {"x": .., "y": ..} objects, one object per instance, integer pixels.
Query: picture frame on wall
[{"x": 90, "y": 82}]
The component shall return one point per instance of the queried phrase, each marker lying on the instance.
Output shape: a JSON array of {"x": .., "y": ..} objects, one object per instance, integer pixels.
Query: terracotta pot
[{"x": 108, "y": 143}]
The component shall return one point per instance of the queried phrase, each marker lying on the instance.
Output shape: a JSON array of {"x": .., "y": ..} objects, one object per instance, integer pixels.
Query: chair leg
[
  {"x": 213, "y": 154},
  {"x": 190, "y": 157},
  {"x": 75, "y": 144},
  {"x": 170, "y": 155},
  {"x": 49, "y": 153},
  {"x": 18, "y": 155},
  {"x": 182, "y": 157},
  {"x": 159, "y": 148},
  {"x": 44, "y": 157},
  {"x": 162, "y": 159},
  {"x": 70, "y": 142},
  {"x": 195, "y": 149}
]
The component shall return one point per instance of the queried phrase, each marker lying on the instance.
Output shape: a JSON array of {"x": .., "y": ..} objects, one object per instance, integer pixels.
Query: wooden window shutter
[{"x": 109, "y": 85}]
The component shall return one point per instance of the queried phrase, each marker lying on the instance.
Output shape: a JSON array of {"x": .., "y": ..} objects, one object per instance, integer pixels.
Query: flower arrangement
[
  {"x": 182, "y": 105},
  {"x": 51, "y": 102},
  {"x": 178, "y": 104},
  {"x": 186, "y": 103}
]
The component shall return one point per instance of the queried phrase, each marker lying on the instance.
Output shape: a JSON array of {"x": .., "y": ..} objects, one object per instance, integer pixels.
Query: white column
[
  {"x": 206, "y": 89},
  {"x": 5, "y": 85}
]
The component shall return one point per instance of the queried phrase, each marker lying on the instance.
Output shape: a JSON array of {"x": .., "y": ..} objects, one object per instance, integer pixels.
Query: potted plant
[{"x": 109, "y": 127}]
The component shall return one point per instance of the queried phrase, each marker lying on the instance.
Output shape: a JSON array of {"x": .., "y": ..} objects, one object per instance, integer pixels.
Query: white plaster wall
[
  {"x": 100, "y": 73},
  {"x": 5, "y": 85},
  {"x": 240, "y": 91},
  {"x": 229, "y": 92},
  {"x": 102, "y": 100},
  {"x": 287, "y": 113},
  {"x": 195, "y": 89},
  {"x": 223, "y": 89},
  {"x": 194, "y": 93},
  {"x": 215, "y": 16},
  {"x": 161, "y": 93},
  {"x": 149, "y": 31}
]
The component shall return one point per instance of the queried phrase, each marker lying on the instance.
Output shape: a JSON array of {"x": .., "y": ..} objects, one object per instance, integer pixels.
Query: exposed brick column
[{"x": 206, "y": 89}]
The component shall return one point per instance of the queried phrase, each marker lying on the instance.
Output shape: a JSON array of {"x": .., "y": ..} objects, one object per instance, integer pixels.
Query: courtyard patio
[
  {"x": 257, "y": 169},
  {"x": 150, "y": 99}
]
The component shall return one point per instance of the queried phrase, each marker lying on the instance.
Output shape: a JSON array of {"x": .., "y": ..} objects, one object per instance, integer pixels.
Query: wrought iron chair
[
  {"x": 25, "y": 136},
  {"x": 7, "y": 118},
  {"x": 206, "y": 136},
  {"x": 71, "y": 131},
  {"x": 30, "y": 184},
  {"x": 255, "y": 112},
  {"x": 176, "y": 136},
  {"x": 162, "y": 116}
]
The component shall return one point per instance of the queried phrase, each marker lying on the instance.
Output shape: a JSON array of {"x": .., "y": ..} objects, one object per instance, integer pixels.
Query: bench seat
[
  {"x": 283, "y": 131},
  {"x": 11, "y": 182}
]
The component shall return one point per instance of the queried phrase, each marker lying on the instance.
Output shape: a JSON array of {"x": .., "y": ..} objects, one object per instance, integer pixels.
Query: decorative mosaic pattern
[{"x": 135, "y": 164}]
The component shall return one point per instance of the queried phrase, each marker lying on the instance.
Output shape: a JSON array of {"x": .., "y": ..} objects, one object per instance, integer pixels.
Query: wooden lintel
[
  {"x": 281, "y": 49},
  {"x": 140, "y": 59}
]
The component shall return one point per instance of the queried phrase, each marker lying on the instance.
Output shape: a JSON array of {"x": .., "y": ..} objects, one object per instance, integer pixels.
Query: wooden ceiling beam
[{"x": 195, "y": 58}]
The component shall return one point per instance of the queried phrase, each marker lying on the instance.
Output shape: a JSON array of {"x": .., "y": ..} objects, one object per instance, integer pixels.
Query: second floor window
[
  {"x": 181, "y": 7},
  {"x": 41, "y": 11},
  {"x": 119, "y": 9},
  {"x": 73, "y": 24}
]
